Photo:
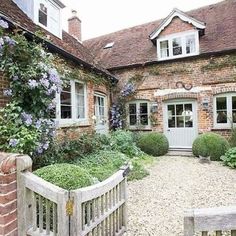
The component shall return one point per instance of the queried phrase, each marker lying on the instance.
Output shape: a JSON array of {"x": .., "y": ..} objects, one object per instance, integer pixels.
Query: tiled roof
[
  {"x": 68, "y": 43},
  {"x": 132, "y": 46}
]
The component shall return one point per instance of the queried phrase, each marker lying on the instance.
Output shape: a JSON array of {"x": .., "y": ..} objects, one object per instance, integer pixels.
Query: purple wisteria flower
[
  {"x": 39, "y": 149},
  {"x": 7, "y": 92},
  {"x": 52, "y": 133},
  {"x": 13, "y": 142},
  {"x": 26, "y": 118},
  {"x": 1, "y": 42},
  {"x": 4, "y": 24},
  {"x": 38, "y": 124},
  {"x": 54, "y": 76},
  {"x": 44, "y": 82},
  {"x": 9, "y": 41},
  {"x": 115, "y": 120},
  {"x": 127, "y": 90},
  {"x": 32, "y": 83},
  {"x": 46, "y": 145}
]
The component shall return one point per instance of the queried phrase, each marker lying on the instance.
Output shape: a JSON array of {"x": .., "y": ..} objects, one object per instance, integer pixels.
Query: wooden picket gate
[{"x": 45, "y": 209}]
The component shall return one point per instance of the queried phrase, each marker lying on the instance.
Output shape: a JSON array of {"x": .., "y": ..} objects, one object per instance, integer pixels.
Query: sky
[{"x": 101, "y": 17}]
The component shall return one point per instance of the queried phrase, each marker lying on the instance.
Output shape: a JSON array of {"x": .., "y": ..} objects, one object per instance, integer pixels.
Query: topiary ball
[
  {"x": 210, "y": 145},
  {"x": 155, "y": 144},
  {"x": 66, "y": 176}
]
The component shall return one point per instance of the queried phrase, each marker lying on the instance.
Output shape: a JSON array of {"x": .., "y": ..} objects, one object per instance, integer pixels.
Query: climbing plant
[{"x": 26, "y": 123}]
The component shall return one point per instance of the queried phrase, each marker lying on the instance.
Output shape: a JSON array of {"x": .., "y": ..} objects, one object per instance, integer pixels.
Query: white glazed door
[
  {"x": 100, "y": 113},
  {"x": 180, "y": 124}
]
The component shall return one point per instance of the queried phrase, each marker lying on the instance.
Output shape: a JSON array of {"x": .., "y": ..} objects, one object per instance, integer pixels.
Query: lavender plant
[{"x": 26, "y": 123}]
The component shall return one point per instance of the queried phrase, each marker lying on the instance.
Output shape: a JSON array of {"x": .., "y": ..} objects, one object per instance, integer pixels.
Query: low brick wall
[{"x": 8, "y": 193}]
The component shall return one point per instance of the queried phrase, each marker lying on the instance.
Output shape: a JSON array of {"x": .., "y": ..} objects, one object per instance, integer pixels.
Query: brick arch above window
[
  {"x": 228, "y": 89},
  {"x": 179, "y": 95}
]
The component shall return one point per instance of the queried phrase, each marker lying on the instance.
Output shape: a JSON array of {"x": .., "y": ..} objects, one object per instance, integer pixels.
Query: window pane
[
  {"x": 143, "y": 108},
  {"x": 79, "y": 88},
  {"x": 43, "y": 15},
  {"x": 66, "y": 112},
  {"x": 132, "y": 119},
  {"x": 164, "y": 46},
  {"x": 180, "y": 121},
  {"x": 144, "y": 120},
  {"x": 80, "y": 113},
  {"x": 190, "y": 44},
  {"x": 132, "y": 109},
  {"x": 188, "y": 107},
  {"x": 171, "y": 122},
  {"x": 65, "y": 98},
  {"x": 234, "y": 103},
  {"x": 221, "y": 117},
  {"x": 179, "y": 109},
  {"x": 177, "y": 46},
  {"x": 221, "y": 103}
]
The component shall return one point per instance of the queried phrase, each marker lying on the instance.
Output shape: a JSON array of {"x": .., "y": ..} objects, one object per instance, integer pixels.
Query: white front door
[
  {"x": 100, "y": 112},
  {"x": 180, "y": 123}
]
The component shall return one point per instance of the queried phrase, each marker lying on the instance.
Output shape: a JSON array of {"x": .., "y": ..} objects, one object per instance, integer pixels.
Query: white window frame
[
  {"x": 170, "y": 38},
  {"x": 47, "y": 5},
  {"x": 227, "y": 125},
  {"x": 100, "y": 95},
  {"x": 138, "y": 102},
  {"x": 73, "y": 121}
]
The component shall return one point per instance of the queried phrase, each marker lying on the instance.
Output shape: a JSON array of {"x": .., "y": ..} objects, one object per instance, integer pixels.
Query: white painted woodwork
[{"x": 180, "y": 137}]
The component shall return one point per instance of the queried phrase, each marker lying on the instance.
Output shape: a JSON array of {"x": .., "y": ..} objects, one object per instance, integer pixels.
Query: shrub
[
  {"x": 66, "y": 176},
  {"x": 138, "y": 172},
  {"x": 210, "y": 144},
  {"x": 123, "y": 141},
  {"x": 229, "y": 158},
  {"x": 155, "y": 144},
  {"x": 103, "y": 164}
]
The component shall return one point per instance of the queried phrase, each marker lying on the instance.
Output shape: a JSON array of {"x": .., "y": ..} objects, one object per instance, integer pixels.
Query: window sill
[
  {"x": 139, "y": 129},
  {"x": 177, "y": 57},
  {"x": 221, "y": 129},
  {"x": 74, "y": 124}
]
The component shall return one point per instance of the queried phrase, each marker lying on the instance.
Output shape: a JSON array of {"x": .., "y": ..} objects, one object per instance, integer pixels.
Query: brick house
[
  {"x": 187, "y": 66},
  {"x": 79, "y": 102}
]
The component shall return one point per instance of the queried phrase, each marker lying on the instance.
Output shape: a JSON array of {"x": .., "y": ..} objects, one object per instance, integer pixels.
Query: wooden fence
[
  {"x": 45, "y": 209},
  {"x": 210, "y": 220}
]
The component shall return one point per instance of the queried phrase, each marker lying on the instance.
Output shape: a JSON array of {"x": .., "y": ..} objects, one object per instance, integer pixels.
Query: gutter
[{"x": 54, "y": 48}]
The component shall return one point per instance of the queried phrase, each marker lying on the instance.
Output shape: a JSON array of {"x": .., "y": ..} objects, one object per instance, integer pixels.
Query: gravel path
[{"x": 157, "y": 203}]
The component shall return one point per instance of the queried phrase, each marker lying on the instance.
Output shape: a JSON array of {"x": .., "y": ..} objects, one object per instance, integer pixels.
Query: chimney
[{"x": 74, "y": 26}]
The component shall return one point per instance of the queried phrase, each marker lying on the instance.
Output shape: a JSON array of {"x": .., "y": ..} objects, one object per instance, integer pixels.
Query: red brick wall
[
  {"x": 176, "y": 26},
  {"x": 157, "y": 78},
  {"x": 74, "y": 27},
  {"x": 8, "y": 195}
]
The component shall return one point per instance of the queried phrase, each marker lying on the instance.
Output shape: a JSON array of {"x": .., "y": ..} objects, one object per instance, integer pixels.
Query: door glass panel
[
  {"x": 171, "y": 122},
  {"x": 180, "y": 121},
  {"x": 179, "y": 109},
  {"x": 221, "y": 110},
  {"x": 188, "y": 121}
]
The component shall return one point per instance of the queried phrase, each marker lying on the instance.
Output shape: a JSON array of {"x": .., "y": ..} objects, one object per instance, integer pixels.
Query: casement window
[
  {"x": 178, "y": 45},
  {"x": 138, "y": 114},
  {"x": 225, "y": 110},
  {"x": 100, "y": 110},
  {"x": 71, "y": 108},
  {"x": 47, "y": 15}
]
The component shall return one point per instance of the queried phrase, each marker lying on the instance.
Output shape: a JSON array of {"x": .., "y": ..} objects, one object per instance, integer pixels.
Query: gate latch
[{"x": 69, "y": 207}]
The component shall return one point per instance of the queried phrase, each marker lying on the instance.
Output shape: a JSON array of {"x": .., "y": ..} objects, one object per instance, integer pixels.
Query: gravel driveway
[{"x": 157, "y": 203}]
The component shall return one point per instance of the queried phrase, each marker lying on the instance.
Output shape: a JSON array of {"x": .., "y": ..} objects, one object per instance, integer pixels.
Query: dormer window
[
  {"x": 48, "y": 16},
  {"x": 178, "y": 45},
  {"x": 43, "y": 18}
]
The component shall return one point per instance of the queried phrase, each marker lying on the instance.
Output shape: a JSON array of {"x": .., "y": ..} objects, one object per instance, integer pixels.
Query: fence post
[
  {"x": 189, "y": 223},
  {"x": 23, "y": 163}
]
